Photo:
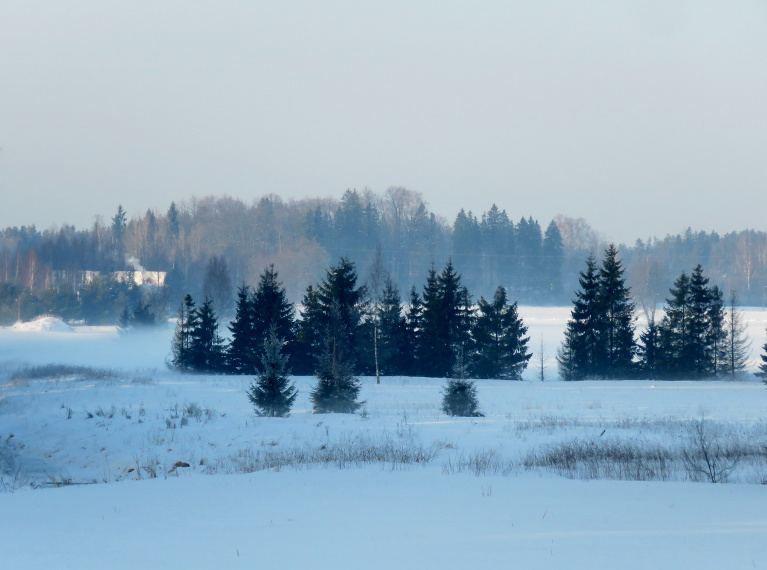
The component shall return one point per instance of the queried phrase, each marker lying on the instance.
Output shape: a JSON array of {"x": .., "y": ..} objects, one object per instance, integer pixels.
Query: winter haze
[{"x": 588, "y": 109}]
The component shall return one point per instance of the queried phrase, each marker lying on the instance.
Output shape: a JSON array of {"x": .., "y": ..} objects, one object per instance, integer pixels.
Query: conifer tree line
[
  {"x": 697, "y": 337},
  {"x": 68, "y": 271},
  {"x": 340, "y": 331}
]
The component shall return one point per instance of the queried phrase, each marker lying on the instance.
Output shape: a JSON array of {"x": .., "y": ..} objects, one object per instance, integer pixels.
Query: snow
[
  {"x": 128, "y": 505},
  {"x": 372, "y": 518},
  {"x": 41, "y": 324}
]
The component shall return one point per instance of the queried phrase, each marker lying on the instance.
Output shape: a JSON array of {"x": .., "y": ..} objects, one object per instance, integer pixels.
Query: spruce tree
[
  {"x": 737, "y": 345},
  {"x": 553, "y": 259},
  {"x": 241, "y": 349},
  {"x": 270, "y": 306},
  {"x": 699, "y": 351},
  {"x": 500, "y": 344},
  {"x": 716, "y": 336},
  {"x": 497, "y": 247},
  {"x": 578, "y": 356},
  {"x": 273, "y": 394},
  {"x": 392, "y": 345},
  {"x": 763, "y": 364},
  {"x": 649, "y": 346},
  {"x": 529, "y": 245},
  {"x": 615, "y": 357},
  {"x": 206, "y": 347},
  {"x": 673, "y": 331},
  {"x": 691, "y": 334},
  {"x": 143, "y": 316},
  {"x": 433, "y": 348},
  {"x": 186, "y": 324},
  {"x": 309, "y": 339},
  {"x": 337, "y": 388},
  {"x": 447, "y": 319},
  {"x": 467, "y": 245},
  {"x": 340, "y": 287},
  {"x": 459, "y": 397},
  {"x": 410, "y": 361}
]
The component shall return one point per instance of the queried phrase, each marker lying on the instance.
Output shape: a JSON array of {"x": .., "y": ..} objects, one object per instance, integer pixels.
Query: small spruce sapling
[
  {"x": 460, "y": 395},
  {"x": 273, "y": 394},
  {"x": 337, "y": 388}
]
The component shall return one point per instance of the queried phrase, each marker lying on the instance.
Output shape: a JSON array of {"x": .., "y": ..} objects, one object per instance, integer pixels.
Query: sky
[{"x": 642, "y": 116}]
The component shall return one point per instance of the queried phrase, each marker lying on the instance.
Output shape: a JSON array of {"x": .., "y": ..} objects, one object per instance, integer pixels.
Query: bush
[{"x": 706, "y": 456}]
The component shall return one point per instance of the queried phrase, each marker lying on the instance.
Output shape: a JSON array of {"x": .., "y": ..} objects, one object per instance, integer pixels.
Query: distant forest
[{"x": 70, "y": 272}]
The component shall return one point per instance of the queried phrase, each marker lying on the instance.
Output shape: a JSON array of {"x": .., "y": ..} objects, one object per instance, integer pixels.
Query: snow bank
[{"x": 43, "y": 324}]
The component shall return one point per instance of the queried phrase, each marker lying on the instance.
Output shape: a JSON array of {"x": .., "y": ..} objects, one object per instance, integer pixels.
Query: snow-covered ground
[{"x": 195, "y": 480}]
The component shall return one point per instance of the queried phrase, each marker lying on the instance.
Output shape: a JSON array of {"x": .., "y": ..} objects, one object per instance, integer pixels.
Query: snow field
[
  {"x": 313, "y": 507},
  {"x": 372, "y": 518}
]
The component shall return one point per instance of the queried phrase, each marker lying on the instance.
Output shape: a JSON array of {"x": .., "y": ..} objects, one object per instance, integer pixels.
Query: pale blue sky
[{"x": 644, "y": 117}]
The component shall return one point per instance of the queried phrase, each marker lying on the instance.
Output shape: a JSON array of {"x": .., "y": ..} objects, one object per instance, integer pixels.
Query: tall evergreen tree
[
  {"x": 553, "y": 260},
  {"x": 763, "y": 363},
  {"x": 716, "y": 335},
  {"x": 616, "y": 321},
  {"x": 446, "y": 321},
  {"x": 433, "y": 348},
  {"x": 410, "y": 361},
  {"x": 529, "y": 242},
  {"x": 349, "y": 225},
  {"x": 578, "y": 356},
  {"x": 270, "y": 306},
  {"x": 699, "y": 350},
  {"x": 119, "y": 225},
  {"x": 500, "y": 344},
  {"x": 174, "y": 228},
  {"x": 691, "y": 333},
  {"x": 206, "y": 347},
  {"x": 309, "y": 339},
  {"x": 673, "y": 331},
  {"x": 649, "y": 346},
  {"x": 186, "y": 324},
  {"x": 467, "y": 245},
  {"x": 340, "y": 286},
  {"x": 737, "y": 344},
  {"x": 241, "y": 349},
  {"x": 273, "y": 395},
  {"x": 497, "y": 248},
  {"x": 392, "y": 346}
]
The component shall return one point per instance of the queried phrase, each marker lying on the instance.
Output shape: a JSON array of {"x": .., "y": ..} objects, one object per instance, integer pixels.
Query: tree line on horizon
[{"x": 43, "y": 271}]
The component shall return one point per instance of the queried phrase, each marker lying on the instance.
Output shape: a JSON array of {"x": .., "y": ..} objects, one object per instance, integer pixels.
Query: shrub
[{"x": 460, "y": 398}]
